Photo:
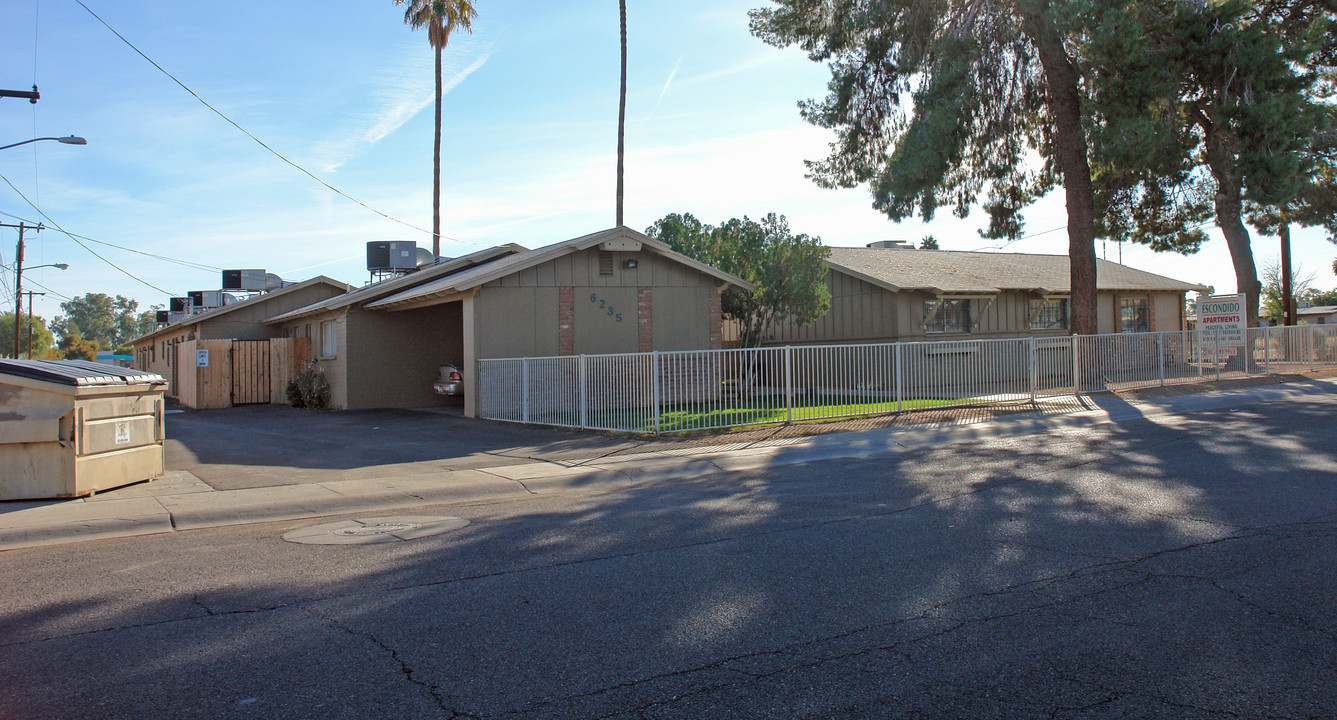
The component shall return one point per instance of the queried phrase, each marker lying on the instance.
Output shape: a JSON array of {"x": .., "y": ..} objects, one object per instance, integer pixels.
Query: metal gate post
[
  {"x": 1267, "y": 350},
  {"x": 1035, "y": 369},
  {"x": 789, "y": 383},
  {"x": 584, "y": 395},
  {"x": 654, "y": 368},
  {"x": 1313, "y": 345},
  {"x": 1217, "y": 354},
  {"x": 1160, "y": 355},
  {"x": 900, "y": 389},
  {"x": 524, "y": 390},
  {"x": 1076, "y": 367}
]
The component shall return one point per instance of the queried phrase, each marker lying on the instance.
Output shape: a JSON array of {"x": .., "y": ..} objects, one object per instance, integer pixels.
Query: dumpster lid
[{"x": 77, "y": 373}]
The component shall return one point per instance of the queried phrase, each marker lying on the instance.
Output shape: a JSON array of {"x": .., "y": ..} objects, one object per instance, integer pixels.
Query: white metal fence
[{"x": 697, "y": 390}]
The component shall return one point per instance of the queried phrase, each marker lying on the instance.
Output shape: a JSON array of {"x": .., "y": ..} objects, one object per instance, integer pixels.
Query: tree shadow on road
[{"x": 1174, "y": 566}]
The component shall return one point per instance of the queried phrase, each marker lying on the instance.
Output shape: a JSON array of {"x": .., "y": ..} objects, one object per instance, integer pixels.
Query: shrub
[{"x": 310, "y": 389}]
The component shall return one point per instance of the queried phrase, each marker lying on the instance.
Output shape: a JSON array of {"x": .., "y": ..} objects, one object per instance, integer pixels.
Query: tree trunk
[
  {"x": 1220, "y": 154},
  {"x": 436, "y": 166},
  {"x": 622, "y": 112},
  {"x": 1065, "y": 111}
]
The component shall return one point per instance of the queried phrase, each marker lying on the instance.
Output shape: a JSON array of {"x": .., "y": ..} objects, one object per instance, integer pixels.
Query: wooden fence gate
[
  {"x": 223, "y": 373},
  {"x": 250, "y": 372}
]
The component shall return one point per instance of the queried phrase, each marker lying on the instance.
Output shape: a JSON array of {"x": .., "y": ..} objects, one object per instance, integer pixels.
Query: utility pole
[
  {"x": 30, "y": 293},
  {"x": 18, "y": 280},
  {"x": 1287, "y": 298}
]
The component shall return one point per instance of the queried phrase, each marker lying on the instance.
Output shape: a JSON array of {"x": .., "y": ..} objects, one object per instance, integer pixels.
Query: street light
[
  {"x": 18, "y": 298},
  {"x": 18, "y": 291},
  {"x": 67, "y": 140}
]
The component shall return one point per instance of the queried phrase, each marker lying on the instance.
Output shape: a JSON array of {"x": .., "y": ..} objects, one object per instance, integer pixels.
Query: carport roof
[
  {"x": 445, "y": 289},
  {"x": 258, "y": 299},
  {"x": 369, "y": 293},
  {"x": 947, "y": 272}
]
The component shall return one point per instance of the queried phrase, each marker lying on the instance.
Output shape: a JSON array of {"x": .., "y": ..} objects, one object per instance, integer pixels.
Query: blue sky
[{"x": 344, "y": 89}]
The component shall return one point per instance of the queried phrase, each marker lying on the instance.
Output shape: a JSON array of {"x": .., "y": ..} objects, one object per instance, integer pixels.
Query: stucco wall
[
  {"x": 393, "y": 357},
  {"x": 1107, "y": 314},
  {"x": 1169, "y": 312},
  {"x": 335, "y": 368}
]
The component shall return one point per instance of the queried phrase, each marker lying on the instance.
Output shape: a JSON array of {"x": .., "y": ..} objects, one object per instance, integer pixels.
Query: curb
[{"x": 190, "y": 504}]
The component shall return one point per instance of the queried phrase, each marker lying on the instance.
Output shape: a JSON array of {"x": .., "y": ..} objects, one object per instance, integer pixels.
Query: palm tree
[
  {"x": 621, "y": 111},
  {"x": 441, "y": 18}
]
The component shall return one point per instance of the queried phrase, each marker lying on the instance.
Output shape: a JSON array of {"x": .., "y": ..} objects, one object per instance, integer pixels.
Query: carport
[{"x": 377, "y": 359}]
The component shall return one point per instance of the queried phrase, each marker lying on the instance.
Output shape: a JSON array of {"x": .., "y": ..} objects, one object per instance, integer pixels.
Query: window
[
  {"x": 947, "y": 316},
  {"x": 1049, "y": 314},
  {"x": 1134, "y": 315},
  {"x": 328, "y": 339}
]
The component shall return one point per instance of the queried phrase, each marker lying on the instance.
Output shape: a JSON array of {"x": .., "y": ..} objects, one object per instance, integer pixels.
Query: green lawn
[{"x": 756, "y": 411}]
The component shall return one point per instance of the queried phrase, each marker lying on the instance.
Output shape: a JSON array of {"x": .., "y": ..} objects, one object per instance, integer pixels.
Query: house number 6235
[{"x": 603, "y": 304}]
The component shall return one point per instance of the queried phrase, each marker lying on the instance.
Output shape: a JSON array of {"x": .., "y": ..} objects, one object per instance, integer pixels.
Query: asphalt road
[{"x": 1176, "y": 567}]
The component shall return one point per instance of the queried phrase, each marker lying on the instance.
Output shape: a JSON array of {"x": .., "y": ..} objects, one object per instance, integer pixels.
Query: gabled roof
[
  {"x": 1319, "y": 310},
  {"x": 442, "y": 290},
  {"x": 381, "y": 289},
  {"x": 249, "y": 302},
  {"x": 947, "y": 272}
]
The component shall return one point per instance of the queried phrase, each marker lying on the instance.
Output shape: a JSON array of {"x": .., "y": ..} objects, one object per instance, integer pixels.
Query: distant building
[
  {"x": 107, "y": 357},
  {"x": 1321, "y": 315},
  {"x": 156, "y": 351},
  {"x": 890, "y": 293}
]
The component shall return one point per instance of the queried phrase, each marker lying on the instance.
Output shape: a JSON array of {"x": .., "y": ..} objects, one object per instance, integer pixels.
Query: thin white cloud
[
  {"x": 403, "y": 93},
  {"x": 664, "y": 91}
]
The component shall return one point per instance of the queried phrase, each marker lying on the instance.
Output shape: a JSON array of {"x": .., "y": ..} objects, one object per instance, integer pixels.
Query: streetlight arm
[
  {"x": 67, "y": 140},
  {"x": 58, "y": 266}
]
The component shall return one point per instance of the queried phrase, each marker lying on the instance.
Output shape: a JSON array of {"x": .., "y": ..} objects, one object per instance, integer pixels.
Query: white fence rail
[{"x": 697, "y": 390}]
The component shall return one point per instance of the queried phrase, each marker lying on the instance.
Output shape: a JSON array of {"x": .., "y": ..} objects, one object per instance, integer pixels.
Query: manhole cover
[
  {"x": 363, "y": 531},
  {"x": 377, "y": 529}
]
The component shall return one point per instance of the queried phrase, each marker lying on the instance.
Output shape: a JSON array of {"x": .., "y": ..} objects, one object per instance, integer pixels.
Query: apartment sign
[{"x": 1221, "y": 321}]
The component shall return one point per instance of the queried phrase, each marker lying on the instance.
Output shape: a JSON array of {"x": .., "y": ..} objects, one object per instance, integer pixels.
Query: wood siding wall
[{"x": 517, "y": 315}]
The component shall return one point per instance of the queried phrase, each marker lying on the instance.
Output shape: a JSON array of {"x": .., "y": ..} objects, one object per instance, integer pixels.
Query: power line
[
  {"x": 79, "y": 242},
  {"x": 185, "y": 263},
  {"x": 49, "y": 291},
  {"x": 1023, "y": 237},
  {"x": 260, "y": 142}
]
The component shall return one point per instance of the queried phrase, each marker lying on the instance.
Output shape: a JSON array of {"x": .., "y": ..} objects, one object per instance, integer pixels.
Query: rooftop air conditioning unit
[
  {"x": 161, "y": 317},
  {"x": 392, "y": 255},
  {"x": 179, "y": 304},
  {"x": 891, "y": 245},
  {"x": 250, "y": 280},
  {"x": 210, "y": 299}
]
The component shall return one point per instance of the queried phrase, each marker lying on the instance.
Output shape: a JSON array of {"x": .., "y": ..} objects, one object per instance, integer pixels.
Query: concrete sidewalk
[{"x": 181, "y": 501}]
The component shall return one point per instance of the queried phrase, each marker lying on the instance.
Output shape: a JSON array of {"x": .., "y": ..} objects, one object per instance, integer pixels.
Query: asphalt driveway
[{"x": 266, "y": 445}]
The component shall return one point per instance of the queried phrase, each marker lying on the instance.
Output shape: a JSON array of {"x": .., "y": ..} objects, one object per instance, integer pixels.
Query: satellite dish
[{"x": 425, "y": 258}]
